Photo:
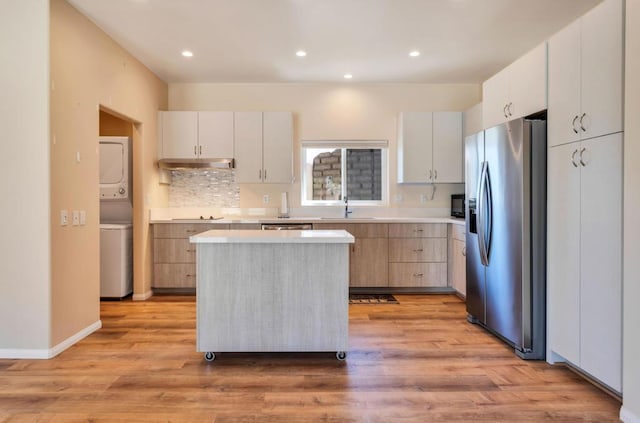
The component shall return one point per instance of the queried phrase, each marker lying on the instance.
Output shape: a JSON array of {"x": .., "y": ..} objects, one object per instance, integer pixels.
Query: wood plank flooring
[{"x": 417, "y": 361}]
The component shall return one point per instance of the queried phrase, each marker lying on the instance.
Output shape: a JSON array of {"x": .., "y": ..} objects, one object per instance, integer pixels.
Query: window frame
[{"x": 306, "y": 185}]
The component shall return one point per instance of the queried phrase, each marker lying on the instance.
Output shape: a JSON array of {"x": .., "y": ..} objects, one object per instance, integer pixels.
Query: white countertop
[
  {"x": 312, "y": 219},
  {"x": 273, "y": 237}
]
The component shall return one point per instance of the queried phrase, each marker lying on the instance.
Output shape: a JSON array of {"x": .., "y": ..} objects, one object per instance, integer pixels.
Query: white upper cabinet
[
  {"x": 195, "y": 135},
  {"x": 215, "y": 134},
  {"x": 415, "y": 147},
  {"x": 264, "y": 147},
  {"x": 518, "y": 90},
  {"x": 430, "y": 147},
  {"x": 447, "y": 147},
  {"x": 585, "y": 76},
  {"x": 178, "y": 135},
  {"x": 277, "y": 150}
]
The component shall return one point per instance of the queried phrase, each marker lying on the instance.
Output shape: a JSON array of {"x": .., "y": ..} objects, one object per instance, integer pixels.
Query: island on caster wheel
[{"x": 340, "y": 355}]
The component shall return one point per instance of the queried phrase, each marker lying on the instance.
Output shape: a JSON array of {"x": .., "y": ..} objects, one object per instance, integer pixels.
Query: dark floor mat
[{"x": 372, "y": 299}]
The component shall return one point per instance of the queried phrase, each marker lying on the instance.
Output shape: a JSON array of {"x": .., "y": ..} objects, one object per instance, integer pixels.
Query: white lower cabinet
[{"x": 584, "y": 249}]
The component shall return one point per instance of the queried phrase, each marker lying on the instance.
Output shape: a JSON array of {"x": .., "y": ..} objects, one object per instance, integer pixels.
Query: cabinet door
[
  {"x": 369, "y": 265},
  {"x": 458, "y": 274},
  {"x": 564, "y": 86},
  {"x": 414, "y": 275},
  {"x": 415, "y": 147},
  {"x": 495, "y": 93},
  {"x": 215, "y": 134},
  {"x": 601, "y": 259},
  {"x": 528, "y": 83},
  {"x": 173, "y": 250},
  {"x": 277, "y": 147},
  {"x": 248, "y": 147},
  {"x": 602, "y": 33},
  {"x": 563, "y": 251},
  {"x": 179, "y": 135},
  {"x": 447, "y": 147},
  {"x": 179, "y": 275}
]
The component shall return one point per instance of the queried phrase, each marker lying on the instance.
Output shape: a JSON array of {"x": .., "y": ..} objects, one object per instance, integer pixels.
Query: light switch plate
[
  {"x": 265, "y": 199},
  {"x": 75, "y": 218},
  {"x": 64, "y": 218},
  {"x": 83, "y": 217}
]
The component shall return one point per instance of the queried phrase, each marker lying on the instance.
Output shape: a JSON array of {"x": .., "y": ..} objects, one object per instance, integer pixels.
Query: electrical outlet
[
  {"x": 83, "y": 217},
  {"x": 423, "y": 198},
  {"x": 398, "y": 198},
  {"x": 75, "y": 218},
  {"x": 64, "y": 218},
  {"x": 265, "y": 199}
]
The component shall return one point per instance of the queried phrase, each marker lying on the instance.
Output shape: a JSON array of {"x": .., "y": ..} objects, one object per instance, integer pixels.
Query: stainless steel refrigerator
[{"x": 505, "y": 169}]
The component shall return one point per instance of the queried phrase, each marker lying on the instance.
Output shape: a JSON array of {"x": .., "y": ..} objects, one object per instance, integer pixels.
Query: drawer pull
[
  {"x": 189, "y": 275},
  {"x": 191, "y": 231},
  {"x": 418, "y": 275},
  {"x": 191, "y": 251},
  {"x": 418, "y": 230},
  {"x": 419, "y": 250}
]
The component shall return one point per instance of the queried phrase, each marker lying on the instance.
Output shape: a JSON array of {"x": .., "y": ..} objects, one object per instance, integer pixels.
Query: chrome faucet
[{"x": 347, "y": 212}]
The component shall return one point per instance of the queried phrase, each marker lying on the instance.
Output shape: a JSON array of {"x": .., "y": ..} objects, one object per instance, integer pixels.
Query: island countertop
[{"x": 273, "y": 237}]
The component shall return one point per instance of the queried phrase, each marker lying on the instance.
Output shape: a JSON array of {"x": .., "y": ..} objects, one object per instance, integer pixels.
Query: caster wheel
[
  {"x": 209, "y": 356},
  {"x": 341, "y": 355}
]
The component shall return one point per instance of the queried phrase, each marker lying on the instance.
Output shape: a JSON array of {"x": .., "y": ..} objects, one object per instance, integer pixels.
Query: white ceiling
[{"x": 461, "y": 41}]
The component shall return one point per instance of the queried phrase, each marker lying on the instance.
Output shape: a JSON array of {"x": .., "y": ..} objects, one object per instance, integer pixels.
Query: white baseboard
[
  {"x": 142, "y": 297},
  {"x": 55, "y": 350},
  {"x": 627, "y": 416}
]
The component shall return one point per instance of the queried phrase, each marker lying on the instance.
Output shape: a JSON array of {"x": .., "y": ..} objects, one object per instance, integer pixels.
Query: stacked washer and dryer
[{"x": 116, "y": 216}]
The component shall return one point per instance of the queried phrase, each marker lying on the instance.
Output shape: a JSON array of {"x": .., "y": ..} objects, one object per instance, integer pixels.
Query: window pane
[
  {"x": 327, "y": 174},
  {"x": 364, "y": 174}
]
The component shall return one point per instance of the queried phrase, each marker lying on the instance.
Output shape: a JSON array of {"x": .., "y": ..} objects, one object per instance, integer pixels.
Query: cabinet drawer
[
  {"x": 418, "y": 250},
  {"x": 181, "y": 275},
  {"x": 173, "y": 250},
  {"x": 245, "y": 226},
  {"x": 418, "y": 230},
  {"x": 184, "y": 230},
  {"x": 358, "y": 230},
  {"x": 417, "y": 274},
  {"x": 458, "y": 232}
]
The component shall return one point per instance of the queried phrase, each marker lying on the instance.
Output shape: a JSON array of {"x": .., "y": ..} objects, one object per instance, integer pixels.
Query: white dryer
[
  {"x": 115, "y": 168},
  {"x": 116, "y": 260}
]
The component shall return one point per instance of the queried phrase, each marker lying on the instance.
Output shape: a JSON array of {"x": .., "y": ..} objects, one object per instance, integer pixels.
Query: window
[{"x": 333, "y": 170}]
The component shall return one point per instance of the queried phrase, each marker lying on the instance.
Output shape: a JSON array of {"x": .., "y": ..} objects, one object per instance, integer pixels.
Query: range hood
[{"x": 196, "y": 164}]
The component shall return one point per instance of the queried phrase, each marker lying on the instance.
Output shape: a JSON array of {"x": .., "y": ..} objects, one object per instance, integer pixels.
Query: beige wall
[
  {"x": 24, "y": 187},
  {"x": 631, "y": 319},
  {"x": 89, "y": 70},
  {"x": 333, "y": 111}
]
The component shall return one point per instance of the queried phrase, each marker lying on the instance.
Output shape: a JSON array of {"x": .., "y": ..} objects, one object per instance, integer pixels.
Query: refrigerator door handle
[
  {"x": 481, "y": 214},
  {"x": 489, "y": 217}
]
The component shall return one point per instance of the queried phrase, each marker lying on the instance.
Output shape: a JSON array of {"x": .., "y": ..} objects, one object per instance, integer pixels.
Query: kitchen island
[{"x": 271, "y": 291}]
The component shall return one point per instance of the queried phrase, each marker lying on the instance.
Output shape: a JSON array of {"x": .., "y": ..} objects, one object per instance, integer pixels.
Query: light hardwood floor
[{"x": 418, "y": 361}]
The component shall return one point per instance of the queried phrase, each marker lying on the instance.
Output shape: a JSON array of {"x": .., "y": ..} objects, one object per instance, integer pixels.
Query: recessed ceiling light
[
  {"x": 301, "y": 53},
  {"x": 187, "y": 53},
  {"x": 414, "y": 53},
  {"x": 348, "y": 76}
]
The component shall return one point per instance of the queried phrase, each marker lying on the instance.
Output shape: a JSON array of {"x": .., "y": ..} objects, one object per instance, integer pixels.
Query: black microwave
[{"x": 457, "y": 205}]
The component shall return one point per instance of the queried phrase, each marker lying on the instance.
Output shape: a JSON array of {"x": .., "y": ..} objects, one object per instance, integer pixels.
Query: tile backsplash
[{"x": 203, "y": 188}]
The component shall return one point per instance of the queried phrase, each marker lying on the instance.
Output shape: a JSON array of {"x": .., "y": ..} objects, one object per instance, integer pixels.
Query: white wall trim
[
  {"x": 627, "y": 416},
  {"x": 51, "y": 352},
  {"x": 143, "y": 296}
]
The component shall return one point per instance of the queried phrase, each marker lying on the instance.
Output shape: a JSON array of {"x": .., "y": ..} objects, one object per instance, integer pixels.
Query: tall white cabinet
[
  {"x": 264, "y": 147},
  {"x": 585, "y": 255},
  {"x": 430, "y": 147},
  {"x": 584, "y": 194},
  {"x": 585, "y": 76}
]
